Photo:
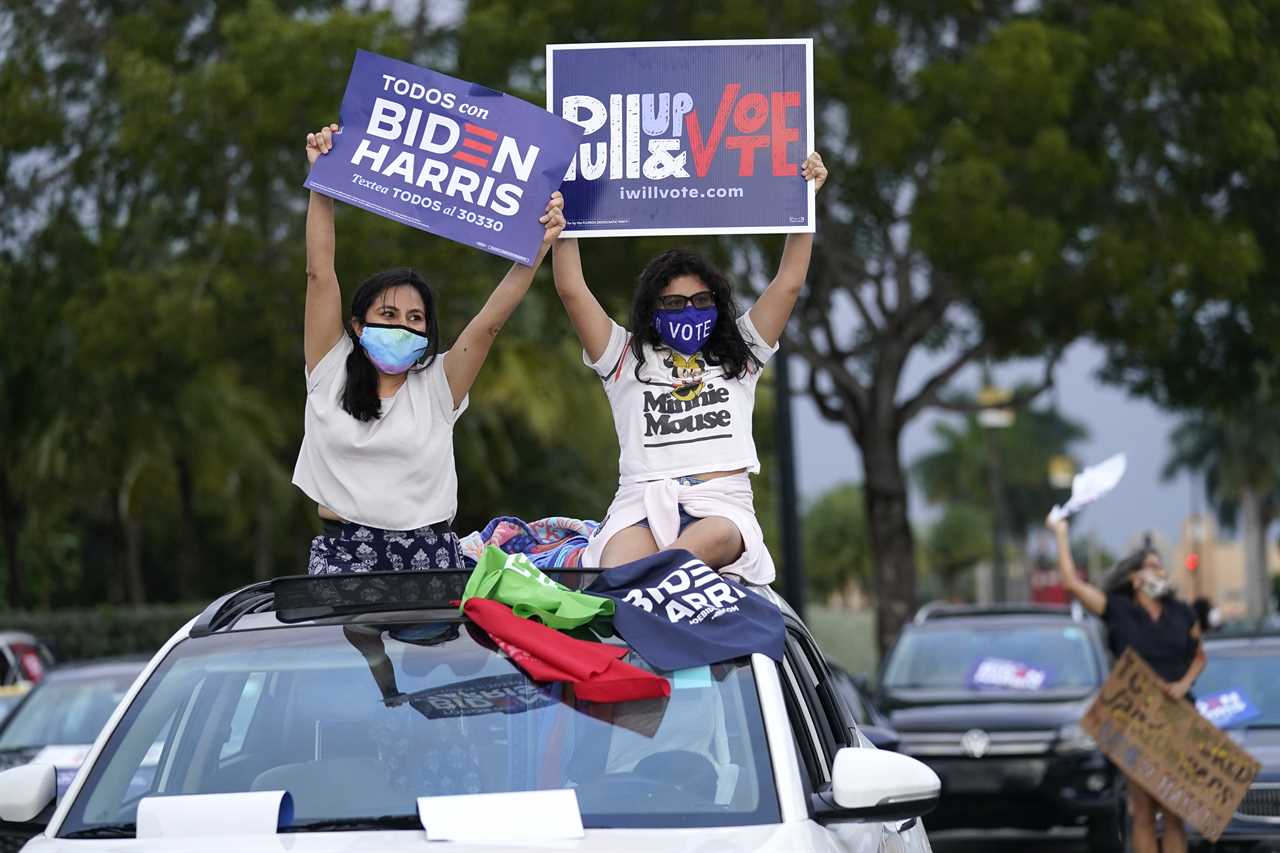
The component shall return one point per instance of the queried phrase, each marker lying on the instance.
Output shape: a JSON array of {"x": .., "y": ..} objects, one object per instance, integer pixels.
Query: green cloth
[{"x": 514, "y": 580}]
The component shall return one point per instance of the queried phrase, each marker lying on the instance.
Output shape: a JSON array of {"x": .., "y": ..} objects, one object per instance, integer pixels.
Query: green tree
[
  {"x": 1202, "y": 137},
  {"x": 837, "y": 549},
  {"x": 1007, "y": 183},
  {"x": 957, "y": 542},
  {"x": 151, "y": 299},
  {"x": 1195, "y": 103},
  {"x": 960, "y": 469}
]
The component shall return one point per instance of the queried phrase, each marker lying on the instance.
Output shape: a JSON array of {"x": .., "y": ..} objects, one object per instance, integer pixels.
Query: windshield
[
  {"x": 997, "y": 657},
  {"x": 67, "y": 709},
  {"x": 358, "y": 722},
  {"x": 1240, "y": 687}
]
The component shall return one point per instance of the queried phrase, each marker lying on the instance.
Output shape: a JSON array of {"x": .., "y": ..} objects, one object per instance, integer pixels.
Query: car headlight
[{"x": 1073, "y": 738}]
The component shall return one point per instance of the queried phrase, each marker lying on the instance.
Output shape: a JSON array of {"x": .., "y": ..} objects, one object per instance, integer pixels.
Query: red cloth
[{"x": 594, "y": 669}]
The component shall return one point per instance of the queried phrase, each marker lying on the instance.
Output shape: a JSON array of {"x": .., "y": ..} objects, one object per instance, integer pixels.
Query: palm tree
[
  {"x": 1239, "y": 457},
  {"x": 958, "y": 470}
]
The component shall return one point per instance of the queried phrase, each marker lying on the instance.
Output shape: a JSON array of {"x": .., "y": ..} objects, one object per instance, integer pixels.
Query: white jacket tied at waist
[{"x": 659, "y": 501}]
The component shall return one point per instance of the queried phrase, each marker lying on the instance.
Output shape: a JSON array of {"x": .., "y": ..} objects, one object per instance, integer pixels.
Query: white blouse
[{"x": 395, "y": 472}]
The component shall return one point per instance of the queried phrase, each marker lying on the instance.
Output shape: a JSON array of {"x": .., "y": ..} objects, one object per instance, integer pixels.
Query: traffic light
[{"x": 1193, "y": 561}]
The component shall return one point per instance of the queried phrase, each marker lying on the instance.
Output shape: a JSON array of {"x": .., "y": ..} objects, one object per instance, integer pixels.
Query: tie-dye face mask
[{"x": 392, "y": 349}]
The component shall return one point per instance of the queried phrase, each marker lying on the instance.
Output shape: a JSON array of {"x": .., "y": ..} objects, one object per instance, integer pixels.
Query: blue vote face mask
[
  {"x": 392, "y": 349},
  {"x": 685, "y": 330}
]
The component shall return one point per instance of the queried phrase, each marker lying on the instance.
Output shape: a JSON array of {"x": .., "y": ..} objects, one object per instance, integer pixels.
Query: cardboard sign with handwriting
[{"x": 1182, "y": 759}]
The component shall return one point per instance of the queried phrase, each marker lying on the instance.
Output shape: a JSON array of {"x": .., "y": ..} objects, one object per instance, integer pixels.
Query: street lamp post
[
  {"x": 788, "y": 503},
  {"x": 994, "y": 415}
]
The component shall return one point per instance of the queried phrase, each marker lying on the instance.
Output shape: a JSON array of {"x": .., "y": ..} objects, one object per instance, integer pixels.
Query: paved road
[{"x": 1007, "y": 842}]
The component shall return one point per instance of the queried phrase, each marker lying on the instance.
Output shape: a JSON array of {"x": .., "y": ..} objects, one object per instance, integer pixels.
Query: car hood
[
  {"x": 963, "y": 712},
  {"x": 21, "y": 755},
  {"x": 1263, "y": 745},
  {"x": 771, "y": 838}
]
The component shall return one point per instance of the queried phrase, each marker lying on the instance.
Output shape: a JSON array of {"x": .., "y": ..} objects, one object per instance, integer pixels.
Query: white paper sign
[
  {"x": 1089, "y": 485},
  {"x": 257, "y": 813},
  {"x": 511, "y": 817}
]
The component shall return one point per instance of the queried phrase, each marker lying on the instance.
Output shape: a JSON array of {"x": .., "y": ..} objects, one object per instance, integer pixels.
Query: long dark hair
[
  {"x": 1118, "y": 579},
  {"x": 360, "y": 395},
  {"x": 726, "y": 346}
]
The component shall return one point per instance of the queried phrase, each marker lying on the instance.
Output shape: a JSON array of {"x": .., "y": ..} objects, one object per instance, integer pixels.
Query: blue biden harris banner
[
  {"x": 698, "y": 137},
  {"x": 450, "y": 157}
]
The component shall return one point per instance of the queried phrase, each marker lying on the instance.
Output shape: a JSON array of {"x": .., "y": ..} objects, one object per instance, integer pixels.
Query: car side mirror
[
  {"x": 874, "y": 785},
  {"x": 27, "y": 793}
]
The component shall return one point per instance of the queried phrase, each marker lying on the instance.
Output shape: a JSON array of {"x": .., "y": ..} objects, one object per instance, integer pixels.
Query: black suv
[{"x": 991, "y": 698}]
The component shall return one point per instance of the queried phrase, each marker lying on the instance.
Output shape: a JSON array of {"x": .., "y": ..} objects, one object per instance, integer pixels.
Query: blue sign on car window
[
  {"x": 1228, "y": 708},
  {"x": 1002, "y": 673}
]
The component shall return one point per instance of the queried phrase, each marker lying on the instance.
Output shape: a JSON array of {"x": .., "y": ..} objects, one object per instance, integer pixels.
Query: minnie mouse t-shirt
[{"x": 680, "y": 415}]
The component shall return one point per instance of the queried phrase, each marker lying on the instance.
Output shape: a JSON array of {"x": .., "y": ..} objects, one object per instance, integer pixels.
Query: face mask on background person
[
  {"x": 1154, "y": 585},
  {"x": 392, "y": 349}
]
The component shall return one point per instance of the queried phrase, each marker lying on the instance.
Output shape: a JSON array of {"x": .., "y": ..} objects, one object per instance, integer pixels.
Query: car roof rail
[
  {"x": 302, "y": 598},
  {"x": 922, "y": 615},
  {"x": 226, "y": 610},
  {"x": 935, "y": 610}
]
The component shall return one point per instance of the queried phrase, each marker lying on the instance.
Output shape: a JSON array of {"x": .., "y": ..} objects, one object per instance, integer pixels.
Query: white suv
[{"x": 364, "y": 696}]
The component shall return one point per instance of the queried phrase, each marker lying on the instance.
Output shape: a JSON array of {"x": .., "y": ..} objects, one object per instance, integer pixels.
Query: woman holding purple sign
[
  {"x": 382, "y": 399},
  {"x": 1137, "y": 604},
  {"x": 681, "y": 382}
]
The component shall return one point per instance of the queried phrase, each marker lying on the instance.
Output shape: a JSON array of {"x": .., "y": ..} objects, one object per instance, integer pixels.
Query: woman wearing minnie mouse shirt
[
  {"x": 681, "y": 383},
  {"x": 377, "y": 451}
]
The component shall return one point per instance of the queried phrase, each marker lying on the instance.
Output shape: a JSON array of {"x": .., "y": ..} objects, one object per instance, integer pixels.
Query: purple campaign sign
[
  {"x": 446, "y": 156},
  {"x": 686, "y": 137}
]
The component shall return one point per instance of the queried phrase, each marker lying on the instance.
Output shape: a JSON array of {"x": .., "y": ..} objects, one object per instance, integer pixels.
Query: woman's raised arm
[
  {"x": 589, "y": 319},
  {"x": 322, "y": 325},
  {"x": 467, "y": 355},
  {"x": 1093, "y": 599},
  {"x": 773, "y": 309}
]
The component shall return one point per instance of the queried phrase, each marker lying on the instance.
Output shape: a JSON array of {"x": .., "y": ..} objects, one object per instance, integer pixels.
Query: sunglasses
[{"x": 701, "y": 299}]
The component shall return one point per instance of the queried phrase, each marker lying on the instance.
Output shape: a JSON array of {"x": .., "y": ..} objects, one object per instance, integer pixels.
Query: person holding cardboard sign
[
  {"x": 1138, "y": 606},
  {"x": 382, "y": 399},
  {"x": 681, "y": 382}
]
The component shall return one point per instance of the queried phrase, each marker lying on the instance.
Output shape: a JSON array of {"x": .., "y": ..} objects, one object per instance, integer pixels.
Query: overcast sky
[{"x": 1117, "y": 422}]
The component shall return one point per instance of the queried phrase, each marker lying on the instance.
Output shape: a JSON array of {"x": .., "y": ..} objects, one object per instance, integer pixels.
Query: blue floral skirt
[{"x": 346, "y": 547}]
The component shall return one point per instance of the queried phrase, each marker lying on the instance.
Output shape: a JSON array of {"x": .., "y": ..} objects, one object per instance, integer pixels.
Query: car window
[
  {"x": 1241, "y": 686},
  {"x": 250, "y": 695},
  {"x": 67, "y": 709},
  {"x": 360, "y": 722},
  {"x": 829, "y": 710},
  {"x": 804, "y": 729},
  {"x": 993, "y": 655},
  {"x": 819, "y": 720}
]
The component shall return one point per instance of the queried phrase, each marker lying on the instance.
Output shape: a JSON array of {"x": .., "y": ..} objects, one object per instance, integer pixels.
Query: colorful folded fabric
[
  {"x": 556, "y": 542},
  {"x": 677, "y": 612},
  {"x": 514, "y": 580},
  {"x": 594, "y": 669}
]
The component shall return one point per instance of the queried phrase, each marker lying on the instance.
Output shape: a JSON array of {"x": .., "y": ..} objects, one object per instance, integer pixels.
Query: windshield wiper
[
  {"x": 354, "y": 824},
  {"x": 106, "y": 830}
]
